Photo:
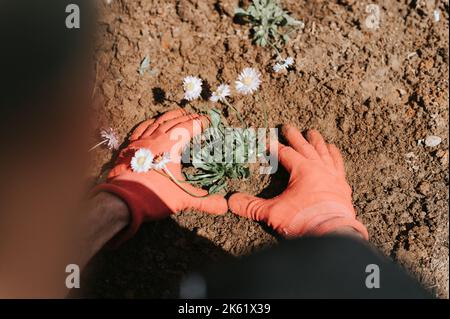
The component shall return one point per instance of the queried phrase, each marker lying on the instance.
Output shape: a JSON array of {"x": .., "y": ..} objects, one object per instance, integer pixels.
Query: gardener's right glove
[
  {"x": 317, "y": 199},
  {"x": 149, "y": 192}
]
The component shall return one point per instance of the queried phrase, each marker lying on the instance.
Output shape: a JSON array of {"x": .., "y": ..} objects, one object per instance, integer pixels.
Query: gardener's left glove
[
  {"x": 317, "y": 200},
  {"x": 141, "y": 175}
]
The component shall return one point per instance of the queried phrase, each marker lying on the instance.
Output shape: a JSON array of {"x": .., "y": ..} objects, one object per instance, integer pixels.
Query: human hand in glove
[
  {"x": 144, "y": 185},
  {"x": 317, "y": 199}
]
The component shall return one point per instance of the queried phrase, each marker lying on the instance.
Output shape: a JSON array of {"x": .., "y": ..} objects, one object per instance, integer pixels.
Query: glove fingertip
[
  {"x": 215, "y": 204},
  {"x": 219, "y": 205},
  {"x": 235, "y": 203}
]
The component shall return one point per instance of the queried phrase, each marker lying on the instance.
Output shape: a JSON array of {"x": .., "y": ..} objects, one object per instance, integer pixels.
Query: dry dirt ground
[{"x": 376, "y": 94}]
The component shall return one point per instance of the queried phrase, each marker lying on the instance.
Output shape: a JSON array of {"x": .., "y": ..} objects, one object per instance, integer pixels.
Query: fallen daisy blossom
[
  {"x": 192, "y": 87},
  {"x": 109, "y": 137},
  {"x": 248, "y": 81},
  {"x": 286, "y": 63},
  {"x": 142, "y": 161},
  {"x": 222, "y": 92},
  {"x": 278, "y": 67},
  {"x": 160, "y": 162}
]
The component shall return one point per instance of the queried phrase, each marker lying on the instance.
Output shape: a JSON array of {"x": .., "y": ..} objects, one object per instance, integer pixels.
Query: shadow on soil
[{"x": 151, "y": 265}]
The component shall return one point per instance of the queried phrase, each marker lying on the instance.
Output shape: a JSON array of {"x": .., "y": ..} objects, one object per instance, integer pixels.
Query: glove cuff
[
  {"x": 334, "y": 224},
  {"x": 323, "y": 218}
]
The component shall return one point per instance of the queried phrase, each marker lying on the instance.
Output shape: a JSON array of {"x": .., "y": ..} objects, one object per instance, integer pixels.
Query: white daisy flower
[
  {"x": 283, "y": 65},
  {"x": 278, "y": 67},
  {"x": 192, "y": 87},
  {"x": 221, "y": 93},
  {"x": 142, "y": 161},
  {"x": 289, "y": 61},
  {"x": 161, "y": 161},
  {"x": 248, "y": 81},
  {"x": 110, "y": 138}
]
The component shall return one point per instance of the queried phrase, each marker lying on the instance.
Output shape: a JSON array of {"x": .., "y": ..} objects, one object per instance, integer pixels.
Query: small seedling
[
  {"x": 267, "y": 17},
  {"x": 213, "y": 173},
  {"x": 144, "y": 66}
]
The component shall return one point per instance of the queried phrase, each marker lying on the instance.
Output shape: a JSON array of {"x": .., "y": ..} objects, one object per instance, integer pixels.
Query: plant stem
[
  {"x": 165, "y": 175},
  {"x": 266, "y": 121},
  {"x": 276, "y": 50},
  {"x": 175, "y": 180},
  {"x": 97, "y": 145},
  {"x": 239, "y": 117},
  {"x": 238, "y": 114}
]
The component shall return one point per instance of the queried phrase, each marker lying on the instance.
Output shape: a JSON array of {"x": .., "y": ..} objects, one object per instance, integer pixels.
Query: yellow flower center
[
  {"x": 247, "y": 80},
  {"x": 190, "y": 86},
  {"x": 141, "y": 161}
]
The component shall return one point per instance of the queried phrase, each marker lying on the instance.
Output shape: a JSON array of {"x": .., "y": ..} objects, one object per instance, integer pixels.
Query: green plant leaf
[
  {"x": 145, "y": 65},
  {"x": 215, "y": 117},
  {"x": 266, "y": 16},
  {"x": 240, "y": 12},
  {"x": 212, "y": 172},
  {"x": 218, "y": 187}
]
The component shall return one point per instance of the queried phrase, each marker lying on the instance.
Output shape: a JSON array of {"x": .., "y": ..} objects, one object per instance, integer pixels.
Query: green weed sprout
[{"x": 267, "y": 17}]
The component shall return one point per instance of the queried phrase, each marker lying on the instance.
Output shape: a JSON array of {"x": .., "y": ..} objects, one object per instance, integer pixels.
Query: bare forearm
[{"x": 107, "y": 216}]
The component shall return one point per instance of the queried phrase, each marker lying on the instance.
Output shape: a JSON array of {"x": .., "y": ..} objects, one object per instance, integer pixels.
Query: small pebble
[
  {"x": 411, "y": 54},
  {"x": 437, "y": 15},
  {"x": 432, "y": 141}
]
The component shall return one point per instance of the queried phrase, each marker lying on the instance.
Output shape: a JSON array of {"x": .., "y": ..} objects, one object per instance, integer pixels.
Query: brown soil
[{"x": 375, "y": 94}]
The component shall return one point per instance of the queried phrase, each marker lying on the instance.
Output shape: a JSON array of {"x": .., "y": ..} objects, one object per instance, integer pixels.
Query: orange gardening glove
[
  {"x": 317, "y": 199},
  {"x": 152, "y": 195}
]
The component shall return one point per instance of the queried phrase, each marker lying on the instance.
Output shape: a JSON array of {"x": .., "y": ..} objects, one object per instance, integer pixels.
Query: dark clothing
[{"x": 325, "y": 267}]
